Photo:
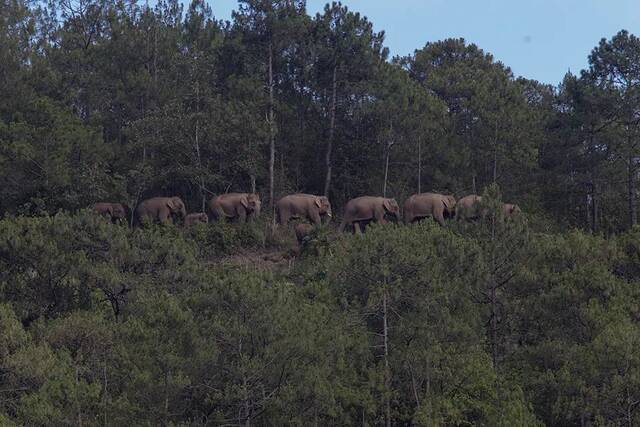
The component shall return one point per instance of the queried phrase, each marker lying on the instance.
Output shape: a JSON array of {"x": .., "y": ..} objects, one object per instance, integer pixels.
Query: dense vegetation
[{"x": 531, "y": 321}]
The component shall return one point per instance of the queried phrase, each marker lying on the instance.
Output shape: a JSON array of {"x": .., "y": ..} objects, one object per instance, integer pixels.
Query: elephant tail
[{"x": 343, "y": 224}]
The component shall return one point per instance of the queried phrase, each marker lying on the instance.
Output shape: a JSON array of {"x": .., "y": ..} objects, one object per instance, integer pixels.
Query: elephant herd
[{"x": 311, "y": 209}]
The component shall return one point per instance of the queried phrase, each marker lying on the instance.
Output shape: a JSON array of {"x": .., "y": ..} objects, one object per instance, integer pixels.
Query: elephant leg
[
  {"x": 164, "y": 216},
  {"x": 314, "y": 217},
  {"x": 380, "y": 218},
  {"x": 242, "y": 215},
  {"x": 358, "y": 227},
  {"x": 438, "y": 215}
]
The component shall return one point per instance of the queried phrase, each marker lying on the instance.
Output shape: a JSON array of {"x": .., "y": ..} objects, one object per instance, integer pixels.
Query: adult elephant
[
  {"x": 160, "y": 209},
  {"x": 469, "y": 207},
  {"x": 196, "y": 218},
  {"x": 366, "y": 209},
  {"x": 235, "y": 206},
  {"x": 116, "y": 212},
  {"x": 438, "y": 206},
  {"x": 307, "y": 206}
]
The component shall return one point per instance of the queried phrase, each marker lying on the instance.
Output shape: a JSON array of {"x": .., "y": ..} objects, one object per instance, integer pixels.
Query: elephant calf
[
  {"x": 235, "y": 206},
  {"x": 367, "y": 208},
  {"x": 303, "y": 231},
  {"x": 509, "y": 210},
  {"x": 116, "y": 212},
  {"x": 196, "y": 218},
  {"x": 438, "y": 206},
  {"x": 306, "y": 206},
  {"x": 160, "y": 209}
]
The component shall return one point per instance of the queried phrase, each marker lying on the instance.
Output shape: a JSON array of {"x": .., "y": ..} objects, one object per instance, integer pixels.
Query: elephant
[
  {"x": 467, "y": 207},
  {"x": 196, "y": 218},
  {"x": 307, "y": 206},
  {"x": 438, "y": 206},
  {"x": 232, "y": 206},
  {"x": 160, "y": 209},
  {"x": 303, "y": 230},
  {"x": 510, "y": 210},
  {"x": 367, "y": 208},
  {"x": 116, "y": 212}
]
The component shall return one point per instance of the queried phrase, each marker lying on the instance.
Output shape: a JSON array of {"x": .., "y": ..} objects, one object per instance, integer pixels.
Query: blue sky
[{"x": 538, "y": 39}]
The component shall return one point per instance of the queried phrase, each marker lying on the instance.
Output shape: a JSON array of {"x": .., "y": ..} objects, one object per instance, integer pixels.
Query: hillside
[{"x": 527, "y": 320}]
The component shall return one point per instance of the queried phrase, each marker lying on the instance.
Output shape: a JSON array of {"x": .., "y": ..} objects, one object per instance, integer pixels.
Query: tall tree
[
  {"x": 613, "y": 65},
  {"x": 350, "y": 52}
]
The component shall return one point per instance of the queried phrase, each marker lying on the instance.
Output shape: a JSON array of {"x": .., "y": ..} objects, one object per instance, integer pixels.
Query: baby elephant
[
  {"x": 511, "y": 210},
  {"x": 196, "y": 218},
  {"x": 303, "y": 232},
  {"x": 116, "y": 212}
]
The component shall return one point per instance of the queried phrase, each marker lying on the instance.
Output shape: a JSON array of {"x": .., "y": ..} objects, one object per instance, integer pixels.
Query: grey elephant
[
  {"x": 423, "y": 205},
  {"x": 235, "y": 206},
  {"x": 362, "y": 210},
  {"x": 160, "y": 209},
  {"x": 307, "y": 206},
  {"x": 196, "y": 218},
  {"x": 116, "y": 212},
  {"x": 469, "y": 207}
]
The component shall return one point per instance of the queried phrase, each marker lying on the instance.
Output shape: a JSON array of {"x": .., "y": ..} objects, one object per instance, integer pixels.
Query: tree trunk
[
  {"x": 633, "y": 214},
  {"x": 419, "y": 165},
  {"x": 197, "y": 147},
  {"x": 594, "y": 207},
  {"x": 78, "y": 408},
  {"x": 494, "y": 327},
  {"x": 588, "y": 200},
  {"x": 332, "y": 125},
  {"x": 386, "y": 171},
  {"x": 247, "y": 409},
  {"x": 493, "y": 299},
  {"x": 495, "y": 155},
  {"x": 166, "y": 398},
  {"x": 387, "y": 372},
  {"x": 105, "y": 394},
  {"x": 272, "y": 141}
]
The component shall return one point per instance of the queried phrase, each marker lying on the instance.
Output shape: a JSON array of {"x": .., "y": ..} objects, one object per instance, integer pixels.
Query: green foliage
[
  {"x": 500, "y": 321},
  {"x": 221, "y": 238}
]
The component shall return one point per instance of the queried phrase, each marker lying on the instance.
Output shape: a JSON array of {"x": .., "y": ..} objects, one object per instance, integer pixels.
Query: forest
[{"x": 528, "y": 321}]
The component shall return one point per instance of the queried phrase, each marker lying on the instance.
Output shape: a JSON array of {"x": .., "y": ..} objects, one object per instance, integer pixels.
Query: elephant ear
[
  {"x": 446, "y": 202},
  {"x": 318, "y": 202},
  {"x": 388, "y": 204},
  {"x": 110, "y": 210},
  {"x": 171, "y": 204},
  {"x": 244, "y": 201}
]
